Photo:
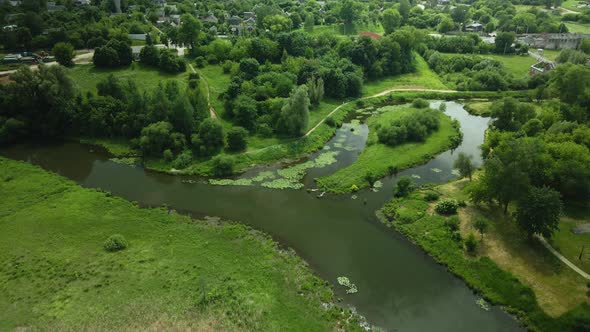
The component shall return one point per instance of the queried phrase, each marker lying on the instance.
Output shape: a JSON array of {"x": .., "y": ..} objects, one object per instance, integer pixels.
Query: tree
[
  {"x": 182, "y": 117},
  {"x": 189, "y": 31},
  {"x": 349, "y": 11},
  {"x": 460, "y": 15},
  {"x": 538, "y": 212},
  {"x": 278, "y": 23},
  {"x": 464, "y": 164},
  {"x": 149, "y": 55},
  {"x": 64, "y": 53},
  {"x": 309, "y": 23},
  {"x": 249, "y": 68},
  {"x": 482, "y": 225},
  {"x": 210, "y": 138},
  {"x": 403, "y": 187},
  {"x": 155, "y": 138},
  {"x": 390, "y": 20},
  {"x": 585, "y": 46},
  {"x": 245, "y": 111},
  {"x": 404, "y": 9},
  {"x": 315, "y": 87},
  {"x": 504, "y": 42},
  {"x": 223, "y": 165},
  {"x": 445, "y": 25},
  {"x": 105, "y": 56},
  {"x": 236, "y": 139},
  {"x": 294, "y": 116}
]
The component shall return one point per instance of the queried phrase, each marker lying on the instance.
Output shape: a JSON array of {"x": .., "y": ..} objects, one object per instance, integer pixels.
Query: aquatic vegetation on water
[
  {"x": 325, "y": 159},
  {"x": 415, "y": 176},
  {"x": 326, "y": 147},
  {"x": 265, "y": 175},
  {"x": 483, "y": 304},
  {"x": 353, "y": 197},
  {"x": 338, "y": 145},
  {"x": 436, "y": 170},
  {"x": 456, "y": 172},
  {"x": 126, "y": 161},
  {"x": 378, "y": 184},
  {"x": 231, "y": 182},
  {"x": 349, "y": 148},
  {"x": 344, "y": 281},
  {"x": 282, "y": 184}
]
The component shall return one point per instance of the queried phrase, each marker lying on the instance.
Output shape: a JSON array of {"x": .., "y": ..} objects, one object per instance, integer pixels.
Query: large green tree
[
  {"x": 538, "y": 212},
  {"x": 294, "y": 116},
  {"x": 391, "y": 19},
  {"x": 64, "y": 53}
]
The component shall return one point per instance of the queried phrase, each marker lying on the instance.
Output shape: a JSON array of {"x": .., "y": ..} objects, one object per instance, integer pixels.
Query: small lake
[{"x": 400, "y": 287}]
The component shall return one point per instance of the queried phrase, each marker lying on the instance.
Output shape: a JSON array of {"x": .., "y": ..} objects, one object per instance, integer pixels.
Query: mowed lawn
[
  {"x": 87, "y": 76},
  {"x": 176, "y": 273},
  {"x": 422, "y": 78},
  {"x": 379, "y": 158},
  {"x": 578, "y": 27},
  {"x": 518, "y": 65}
]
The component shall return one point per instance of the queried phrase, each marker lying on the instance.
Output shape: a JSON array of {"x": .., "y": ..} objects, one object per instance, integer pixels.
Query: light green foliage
[
  {"x": 56, "y": 275},
  {"x": 344, "y": 281},
  {"x": 294, "y": 116},
  {"x": 391, "y": 19},
  {"x": 115, "y": 242},
  {"x": 64, "y": 53},
  {"x": 446, "y": 207},
  {"x": 464, "y": 164}
]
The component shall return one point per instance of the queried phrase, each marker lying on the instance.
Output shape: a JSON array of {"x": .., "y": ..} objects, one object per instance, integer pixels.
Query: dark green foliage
[
  {"x": 183, "y": 160},
  {"x": 510, "y": 115},
  {"x": 210, "y": 138},
  {"x": 471, "y": 243},
  {"x": 464, "y": 164},
  {"x": 150, "y": 55},
  {"x": 538, "y": 212},
  {"x": 171, "y": 62},
  {"x": 155, "y": 138},
  {"x": 420, "y": 103},
  {"x": 331, "y": 122},
  {"x": 64, "y": 53},
  {"x": 452, "y": 223},
  {"x": 446, "y": 207},
  {"x": 223, "y": 165},
  {"x": 403, "y": 187},
  {"x": 482, "y": 225},
  {"x": 415, "y": 127},
  {"x": 245, "y": 111},
  {"x": 431, "y": 196},
  {"x": 115, "y": 242},
  {"x": 236, "y": 139},
  {"x": 249, "y": 68},
  {"x": 105, "y": 57}
]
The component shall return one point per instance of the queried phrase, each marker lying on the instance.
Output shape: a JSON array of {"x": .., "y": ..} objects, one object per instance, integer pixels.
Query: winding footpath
[
  {"x": 563, "y": 259},
  {"x": 212, "y": 112},
  {"x": 380, "y": 94}
]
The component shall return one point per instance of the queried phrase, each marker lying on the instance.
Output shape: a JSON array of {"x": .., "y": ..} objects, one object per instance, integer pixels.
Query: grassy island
[
  {"x": 379, "y": 159},
  {"x": 175, "y": 273}
]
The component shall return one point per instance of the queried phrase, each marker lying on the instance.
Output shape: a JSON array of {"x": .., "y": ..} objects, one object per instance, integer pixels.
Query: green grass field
[
  {"x": 481, "y": 108},
  {"x": 378, "y": 158},
  {"x": 176, "y": 273},
  {"x": 578, "y": 27},
  {"x": 506, "y": 269},
  {"x": 423, "y": 78},
  {"x": 572, "y": 5},
  {"x": 87, "y": 76},
  {"x": 519, "y": 65},
  {"x": 572, "y": 245}
]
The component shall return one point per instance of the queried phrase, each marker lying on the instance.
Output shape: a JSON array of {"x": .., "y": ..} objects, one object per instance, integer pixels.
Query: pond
[{"x": 400, "y": 288}]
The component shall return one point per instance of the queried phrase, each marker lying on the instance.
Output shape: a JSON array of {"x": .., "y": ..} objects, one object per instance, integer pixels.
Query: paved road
[{"x": 81, "y": 58}]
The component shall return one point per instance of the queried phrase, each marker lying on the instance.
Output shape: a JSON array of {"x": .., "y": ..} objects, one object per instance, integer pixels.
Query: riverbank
[
  {"x": 378, "y": 160},
  {"x": 506, "y": 269},
  {"x": 176, "y": 272}
]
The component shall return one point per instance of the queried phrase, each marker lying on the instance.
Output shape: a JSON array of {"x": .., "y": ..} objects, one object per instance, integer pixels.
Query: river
[{"x": 400, "y": 287}]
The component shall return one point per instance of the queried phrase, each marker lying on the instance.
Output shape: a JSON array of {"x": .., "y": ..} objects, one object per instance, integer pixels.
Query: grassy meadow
[
  {"x": 176, "y": 273},
  {"x": 379, "y": 158}
]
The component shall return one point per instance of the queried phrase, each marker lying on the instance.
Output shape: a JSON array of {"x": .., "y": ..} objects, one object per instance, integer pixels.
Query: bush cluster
[
  {"x": 447, "y": 207},
  {"x": 415, "y": 127},
  {"x": 115, "y": 242}
]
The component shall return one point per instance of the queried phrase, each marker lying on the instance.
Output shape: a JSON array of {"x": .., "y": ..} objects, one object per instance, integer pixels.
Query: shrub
[
  {"x": 452, "y": 223},
  {"x": 471, "y": 243},
  {"x": 431, "y": 196},
  {"x": 330, "y": 121},
  {"x": 420, "y": 103},
  {"x": 236, "y": 139},
  {"x": 403, "y": 187},
  {"x": 447, "y": 207},
  {"x": 115, "y": 242},
  {"x": 183, "y": 160},
  {"x": 193, "y": 84},
  {"x": 456, "y": 236},
  {"x": 200, "y": 62},
  {"x": 168, "y": 155},
  {"x": 223, "y": 165}
]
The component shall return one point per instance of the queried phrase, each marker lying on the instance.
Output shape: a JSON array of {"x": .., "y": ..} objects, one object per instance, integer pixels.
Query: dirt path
[
  {"x": 380, "y": 94},
  {"x": 212, "y": 112},
  {"x": 563, "y": 259}
]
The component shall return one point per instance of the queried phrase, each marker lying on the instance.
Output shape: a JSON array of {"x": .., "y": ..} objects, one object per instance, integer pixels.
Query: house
[
  {"x": 474, "y": 27},
  {"x": 52, "y": 7},
  {"x": 444, "y": 2},
  {"x": 553, "y": 41},
  {"x": 174, "y": 18},
  {"x": 210, "y": 19},
  {"x": 10, "y": 27},
  {"x": 234, "y": 21},
  {"x": 137, "y": 36},
  {"x": 248, "y": 15},
  {"x": 82, "y": 2}
]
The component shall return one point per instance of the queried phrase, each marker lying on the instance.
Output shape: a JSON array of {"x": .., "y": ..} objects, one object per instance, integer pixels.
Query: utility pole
[{"x": 581, "y": 252}]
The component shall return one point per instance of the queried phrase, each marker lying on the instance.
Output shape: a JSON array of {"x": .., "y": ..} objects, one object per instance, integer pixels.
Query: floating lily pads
[
  {"x": 415, "y": 176},
  {"x": 282, "y": 184},
  {"x": 456, "y": 172},
  {"x": 344, "y": 281},
  {"x": 126, "y": 161},
  {"x": 436, "y": 170}
]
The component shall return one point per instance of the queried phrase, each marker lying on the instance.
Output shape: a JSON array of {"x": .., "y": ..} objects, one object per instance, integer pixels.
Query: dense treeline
[{"x": 538, "y": 154}]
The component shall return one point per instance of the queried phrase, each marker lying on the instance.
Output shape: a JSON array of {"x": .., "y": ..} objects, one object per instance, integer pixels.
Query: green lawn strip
[
  {"x": 87, "y": 76},
  {"x": 423, "y": 78},
  {"x": 118, "y": 147},
  {"x": 571, "y": 245},
  {"x": 481, "y": 108},
  {"x": 176, "y": 272},
  {"x": 578, "y": 27},
  {"x": 519, "y": 65},
  {"x": 480, "y": 273},
  {"x": 379, "y": 159}
]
